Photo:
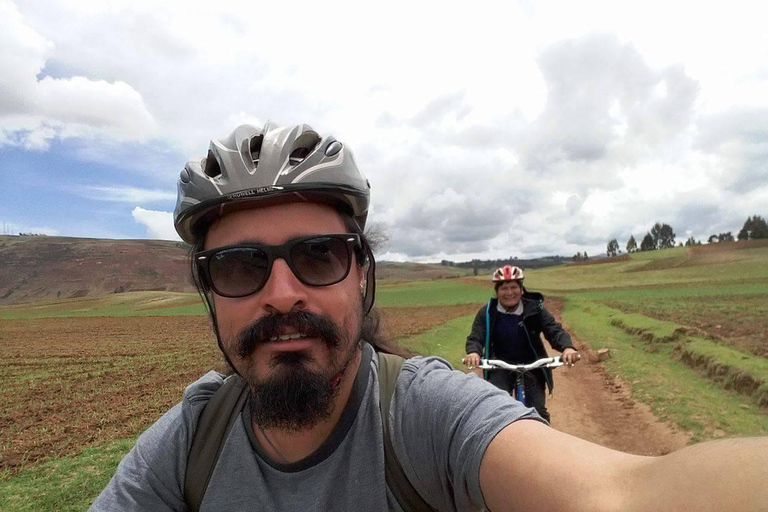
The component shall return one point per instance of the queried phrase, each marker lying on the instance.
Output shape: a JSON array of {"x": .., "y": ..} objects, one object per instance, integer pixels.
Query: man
[
  {"x": 276, "y": 219},
  {"x": 516, "y": 318}
]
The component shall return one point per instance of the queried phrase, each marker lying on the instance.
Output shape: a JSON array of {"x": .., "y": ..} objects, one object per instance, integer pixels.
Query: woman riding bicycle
[{"x": 516, "y": 318}]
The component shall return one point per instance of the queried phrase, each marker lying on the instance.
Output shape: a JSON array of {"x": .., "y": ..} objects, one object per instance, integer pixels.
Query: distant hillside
[
  {"x": 393, "y": 270},
  {"x": 46, "y": 267},
  {"x": 38, "y": 268},
  {"x": 486, "y": 266}
]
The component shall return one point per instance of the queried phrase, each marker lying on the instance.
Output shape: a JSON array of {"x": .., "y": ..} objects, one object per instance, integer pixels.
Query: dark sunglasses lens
[
  {"x": 238, "y": 272},
  {"x": 321, "y": 261}
]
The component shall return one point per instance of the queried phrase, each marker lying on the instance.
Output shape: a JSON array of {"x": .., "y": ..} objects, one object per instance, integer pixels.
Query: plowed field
[{"x": 73, "y": 382}]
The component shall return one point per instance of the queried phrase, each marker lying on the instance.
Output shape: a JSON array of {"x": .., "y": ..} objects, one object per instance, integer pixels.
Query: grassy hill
[
  {"x": 48, "y": 267},
  {"x": 688, "y": 327},
  {"x": 390, "y": 270}
]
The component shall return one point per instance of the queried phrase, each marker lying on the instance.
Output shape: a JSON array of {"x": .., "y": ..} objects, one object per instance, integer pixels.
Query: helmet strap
[{"x": 370, "y": 282}]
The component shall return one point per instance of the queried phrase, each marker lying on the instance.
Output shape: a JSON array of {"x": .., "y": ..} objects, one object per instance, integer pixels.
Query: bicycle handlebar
[{"x": 547, "y": 362}]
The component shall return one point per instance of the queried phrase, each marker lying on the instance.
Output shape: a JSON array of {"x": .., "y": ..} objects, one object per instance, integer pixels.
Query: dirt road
[{"x": 590, "y": 404}]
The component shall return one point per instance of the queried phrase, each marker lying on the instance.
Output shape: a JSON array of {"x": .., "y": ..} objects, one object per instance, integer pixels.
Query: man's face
[
  {"x": 260, "y": 360},
  {"x": 509, "y": 294}
]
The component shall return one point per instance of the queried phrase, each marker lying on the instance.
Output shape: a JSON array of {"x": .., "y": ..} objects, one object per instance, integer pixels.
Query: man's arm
[
  {"x": 529, "y": 466},
  {"x": 476, "y": 339},
  {"x": 554, "y": 332}
]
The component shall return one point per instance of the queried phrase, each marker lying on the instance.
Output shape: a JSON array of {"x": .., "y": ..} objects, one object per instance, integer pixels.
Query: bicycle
[{"x": 518, "y": 390}]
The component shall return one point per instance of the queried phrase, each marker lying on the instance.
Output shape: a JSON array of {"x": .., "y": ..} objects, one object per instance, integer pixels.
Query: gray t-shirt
[{"x": 442, "y": 422}]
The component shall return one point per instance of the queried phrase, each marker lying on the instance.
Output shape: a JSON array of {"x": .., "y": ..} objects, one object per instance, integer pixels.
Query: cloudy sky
[{"x": 487, "y": 129}]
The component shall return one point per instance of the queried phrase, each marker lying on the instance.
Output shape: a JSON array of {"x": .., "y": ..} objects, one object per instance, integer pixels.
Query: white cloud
[
  {"x": 124, "y": 194},
  {"x": 159, "y": 224},
  {"x": 507, "y": 128},
  {"x": 33, "y": 111}
]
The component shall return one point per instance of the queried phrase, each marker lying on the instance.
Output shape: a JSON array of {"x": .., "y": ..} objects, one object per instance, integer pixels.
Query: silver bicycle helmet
[{"x": 255, "y": 165}]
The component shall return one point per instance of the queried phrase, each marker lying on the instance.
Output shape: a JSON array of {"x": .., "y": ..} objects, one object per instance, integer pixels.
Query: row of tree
[
  {"x": 755, "y": 227},
  {"x": 476, "y": 265},
  {"x": 662, "y": 236}
]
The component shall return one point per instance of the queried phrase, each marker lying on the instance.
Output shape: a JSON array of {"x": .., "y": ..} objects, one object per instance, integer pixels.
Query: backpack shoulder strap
[
  {"x": 216, "y": 420},
  {"x": 405, "y": 494}
]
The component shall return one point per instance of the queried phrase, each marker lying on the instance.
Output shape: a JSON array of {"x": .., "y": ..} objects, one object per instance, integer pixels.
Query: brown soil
[
  {"x": 70, "y": 383},
  {"x": 590, "y": 404},
  {"x": 740, "y": 321},
  {"x": 401, "y": 322}
]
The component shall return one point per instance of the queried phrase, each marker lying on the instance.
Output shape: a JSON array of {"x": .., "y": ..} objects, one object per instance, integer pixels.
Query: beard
[{"x": 297, "y": 394}]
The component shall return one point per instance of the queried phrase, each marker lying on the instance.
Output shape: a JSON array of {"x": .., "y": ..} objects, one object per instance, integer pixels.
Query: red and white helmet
[{"x": 508, "y": 273}]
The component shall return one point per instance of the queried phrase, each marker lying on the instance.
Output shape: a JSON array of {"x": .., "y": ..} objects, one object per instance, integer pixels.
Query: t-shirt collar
[{"x": 517, "y": 311}]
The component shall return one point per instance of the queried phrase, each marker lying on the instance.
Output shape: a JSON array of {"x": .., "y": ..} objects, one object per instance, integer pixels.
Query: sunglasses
[{"x": 243, "y": 269}]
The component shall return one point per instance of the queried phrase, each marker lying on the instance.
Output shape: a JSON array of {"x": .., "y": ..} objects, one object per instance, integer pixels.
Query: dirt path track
[{"x": 590, "y": 404}]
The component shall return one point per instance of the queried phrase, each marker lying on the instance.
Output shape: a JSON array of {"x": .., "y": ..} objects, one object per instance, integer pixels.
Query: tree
[
  {"x": 663, "y": 236},
  {"x": 585, "y": 256},
  {"x": 378, "y": 236},
  {"x": 691, "y": 242},
  {"x": 712, "y": 239},
  {"x": 666, "y": 237},
  {"x": 613, "y": 248},
  {"x": 647, "y": 244},
  {"x": 754, "y": 227},
  {"x": 725, "y": 237},
  {"x": 577, "y": 256},
  {"x": 631, "y": 244}
]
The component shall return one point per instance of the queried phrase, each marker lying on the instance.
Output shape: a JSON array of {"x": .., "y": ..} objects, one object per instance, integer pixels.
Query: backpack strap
[
  {"x": 216, "y": 421},
  {"x": 405, "y": 494}
]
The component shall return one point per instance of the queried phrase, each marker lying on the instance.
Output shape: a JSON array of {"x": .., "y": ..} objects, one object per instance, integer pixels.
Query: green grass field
[
  {"x": 650, "y": 310},
  {"x": 674, "y": 391},
  {"x": 678, "y": 267},
  {"x": 431, "y": 293},
  {"x": 69, "y": 484}
]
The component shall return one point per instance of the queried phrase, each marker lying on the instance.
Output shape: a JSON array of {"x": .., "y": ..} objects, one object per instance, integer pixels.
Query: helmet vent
[
  {"x": 256, "y": 149},
  {"x": 212, "y": 169},
  {"x": 303, "y": 146},
  {"x": 297, "y": 155}
]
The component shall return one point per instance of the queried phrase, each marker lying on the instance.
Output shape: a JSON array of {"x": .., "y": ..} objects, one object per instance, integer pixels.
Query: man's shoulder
[
  {"x": 199, "y": 392},
  {"x": 429, "y": 374},
  {"x": 417, "y": 368},
  {"x": 184, "y": 415},
  {"x": 178, "y": 425},
  {"x": 426, "y": 364}
]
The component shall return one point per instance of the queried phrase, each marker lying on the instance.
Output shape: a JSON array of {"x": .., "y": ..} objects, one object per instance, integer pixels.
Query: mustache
[{"x": 303, "y": 322}]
